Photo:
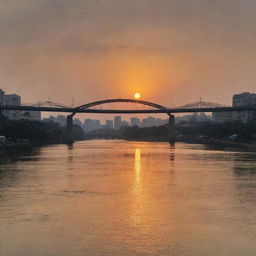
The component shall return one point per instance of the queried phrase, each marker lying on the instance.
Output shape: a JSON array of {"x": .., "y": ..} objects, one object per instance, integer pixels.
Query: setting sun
[{"x": 137, "y": 95}]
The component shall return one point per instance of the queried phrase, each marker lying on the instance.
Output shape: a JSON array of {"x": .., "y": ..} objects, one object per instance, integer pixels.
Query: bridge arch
[{"x": 102, "y": 102}]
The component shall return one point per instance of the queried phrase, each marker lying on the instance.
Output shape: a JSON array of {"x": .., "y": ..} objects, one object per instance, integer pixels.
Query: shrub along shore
[
  {"x": 20, "y": 133},
  {"x": 230, "y": 133},
  {"x": 23, "y": 131}
]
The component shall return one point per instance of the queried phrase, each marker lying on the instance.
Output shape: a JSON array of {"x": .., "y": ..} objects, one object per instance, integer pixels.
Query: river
[{"x": 115, "y": 198}]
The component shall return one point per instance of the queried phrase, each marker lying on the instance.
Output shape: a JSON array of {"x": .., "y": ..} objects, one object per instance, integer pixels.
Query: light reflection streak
[
  {"x": 137, "y": 167},
  {"x": 137, "y": 211}
]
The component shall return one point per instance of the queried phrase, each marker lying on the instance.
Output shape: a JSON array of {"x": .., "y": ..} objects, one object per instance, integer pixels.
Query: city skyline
[
  {"x": 244, "y": 99},
  {"x": 91, "y": 124},
  {"x": 169, "y": 51},
  {"x": 127, "y": 127}
]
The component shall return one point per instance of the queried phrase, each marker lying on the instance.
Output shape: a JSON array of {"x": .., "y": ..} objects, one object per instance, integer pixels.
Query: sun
[{"x": 137, "y": 95}]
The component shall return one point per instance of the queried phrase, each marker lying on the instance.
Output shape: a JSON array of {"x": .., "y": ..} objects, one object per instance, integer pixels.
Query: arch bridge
[
  {"x": 102, "y": 102},
  {"x": 197, "y": 107}
]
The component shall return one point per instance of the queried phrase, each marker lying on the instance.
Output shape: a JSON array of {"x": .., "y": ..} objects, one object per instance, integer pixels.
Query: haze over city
[
  {"x": 127, "y": 127},
  {"x": 172, "y": 50}
]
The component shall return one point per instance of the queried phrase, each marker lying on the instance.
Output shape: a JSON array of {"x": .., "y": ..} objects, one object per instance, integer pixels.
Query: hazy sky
[{"x": 97, "y": 49}]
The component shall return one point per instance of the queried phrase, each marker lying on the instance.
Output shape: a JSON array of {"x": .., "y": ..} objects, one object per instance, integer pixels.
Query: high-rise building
[
  {"x": 96, "y": 124},
  {"x": 244, "y": 99},
  {"x": 31, "y": 115},
  {"x": 61, "y": 120},
  {"x": 88, "y": 125},
  {"x": 117, "y": 122},
  {"x": 152, "y": 121},
  {"x": 13, "y": 100},
  {"x": 125, "y": 123},
  {"x": 109, "y": 124},
  {"x": 148, "y": 122},
  {"x": 91, "y": 125},
  {"x": 221, "y": 117},
  {"x": 2, "y": 102},
  {"x": 135, "y": 121},
  {"x": 77, "y": 122}
]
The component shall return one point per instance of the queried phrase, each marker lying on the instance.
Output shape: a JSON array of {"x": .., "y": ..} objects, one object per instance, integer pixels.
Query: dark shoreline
[
  {"x": 224, "y": 145},
  {"x": 9, "y": 154},
  {"x": 10, "y": 151},
  {"x": 211, "y": 144}
]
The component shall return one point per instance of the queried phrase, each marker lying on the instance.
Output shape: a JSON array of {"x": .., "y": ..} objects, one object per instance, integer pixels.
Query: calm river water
[{"x": 111, "y": 198}]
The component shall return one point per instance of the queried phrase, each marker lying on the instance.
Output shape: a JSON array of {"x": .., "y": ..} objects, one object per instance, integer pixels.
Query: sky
[{"x": 171, "y": 51}]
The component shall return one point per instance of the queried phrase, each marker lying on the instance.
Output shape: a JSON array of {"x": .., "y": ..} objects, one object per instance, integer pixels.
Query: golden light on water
[
  {"x": 137, "y": 166},
  {"x": 137, "y": 95}
]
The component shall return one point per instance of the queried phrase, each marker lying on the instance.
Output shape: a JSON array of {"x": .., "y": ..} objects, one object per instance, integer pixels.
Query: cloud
[{"x": 46, "y": 45}]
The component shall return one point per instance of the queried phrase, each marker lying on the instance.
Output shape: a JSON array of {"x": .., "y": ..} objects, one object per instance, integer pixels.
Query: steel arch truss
[{"x": 101, "y": 102}]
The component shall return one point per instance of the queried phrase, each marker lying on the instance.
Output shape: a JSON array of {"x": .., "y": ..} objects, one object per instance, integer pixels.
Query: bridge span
[
  {"x": 156, "y": 109},
  {"x": 128, "y": 111}
]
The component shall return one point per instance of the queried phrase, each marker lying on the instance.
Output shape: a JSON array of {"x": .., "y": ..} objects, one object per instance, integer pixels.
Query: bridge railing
[{"x": 47, "y": 104}]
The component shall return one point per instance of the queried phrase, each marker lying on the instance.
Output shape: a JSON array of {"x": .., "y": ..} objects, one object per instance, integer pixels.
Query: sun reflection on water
[{"x": 137, "y": 167}]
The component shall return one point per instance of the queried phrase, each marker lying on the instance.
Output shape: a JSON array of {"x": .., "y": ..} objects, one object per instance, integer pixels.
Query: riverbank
[
  {"x": 222, "y": 144},
  {"x": 220, "y": 135},
  {"x": 36, "y": 132},
  {"x": 11, "y": 151},
  {"x": 211, "y": 144}
]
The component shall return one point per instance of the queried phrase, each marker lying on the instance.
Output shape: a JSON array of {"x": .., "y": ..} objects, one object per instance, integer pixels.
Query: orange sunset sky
[{"x": 167, "y": 50}]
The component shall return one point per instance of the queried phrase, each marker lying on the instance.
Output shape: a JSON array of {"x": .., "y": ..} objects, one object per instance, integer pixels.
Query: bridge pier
[
  {"x": 70, "y": 139},
  {"x": 171, "y": 128}
]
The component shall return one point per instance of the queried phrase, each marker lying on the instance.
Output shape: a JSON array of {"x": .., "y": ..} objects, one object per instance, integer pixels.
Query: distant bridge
[
  {"x": 197, "y": 107},
  {"x": 164, "y": 110},
  {"x": 51, "y": 106}
]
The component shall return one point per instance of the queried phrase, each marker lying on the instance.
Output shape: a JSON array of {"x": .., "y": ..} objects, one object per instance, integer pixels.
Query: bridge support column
[
  {"x": 171, "y": 128},
  {"x": 70, "y": 139}
]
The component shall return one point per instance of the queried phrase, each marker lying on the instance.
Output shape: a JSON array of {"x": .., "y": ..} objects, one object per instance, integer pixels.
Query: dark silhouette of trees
[
  {"x": 196, "y": 131},
  {"x": 37, "y": 132}
]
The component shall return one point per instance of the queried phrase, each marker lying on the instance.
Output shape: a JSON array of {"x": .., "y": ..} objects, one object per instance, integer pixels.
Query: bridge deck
[{"x": 124, "y": 111}]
